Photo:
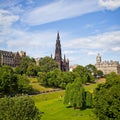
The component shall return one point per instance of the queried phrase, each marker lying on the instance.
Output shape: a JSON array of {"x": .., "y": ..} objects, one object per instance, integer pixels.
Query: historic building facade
[
  {"x": 63, "y": 64},
  {"x": 107, "y": 66},
  {"x": 10, "y": 58}
]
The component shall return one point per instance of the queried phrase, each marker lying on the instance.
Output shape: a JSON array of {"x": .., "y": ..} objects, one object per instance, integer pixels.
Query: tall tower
[
  {"x": 58, "y": 55},
  {"x": 98, "y": 59}
]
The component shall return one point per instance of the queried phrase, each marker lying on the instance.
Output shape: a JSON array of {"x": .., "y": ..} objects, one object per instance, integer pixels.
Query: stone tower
[
  {"x": 98, "y": 59},
  {"x": 63, "y": 64},
  {"x": 58, "y": 55}
]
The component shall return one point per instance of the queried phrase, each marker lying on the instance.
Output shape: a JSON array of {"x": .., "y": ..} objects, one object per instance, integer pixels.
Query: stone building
[
  {"x": 63, "y": 64},
  {"x": 10, "y": 58},
  {"x": 107, "y": 66}
]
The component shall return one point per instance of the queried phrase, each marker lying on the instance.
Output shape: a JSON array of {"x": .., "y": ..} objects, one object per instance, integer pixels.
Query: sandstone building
[
  {"x": 10, "y": 58},
  {"x": 63, "y": 64},
  {"x": 107, "y": 66}
]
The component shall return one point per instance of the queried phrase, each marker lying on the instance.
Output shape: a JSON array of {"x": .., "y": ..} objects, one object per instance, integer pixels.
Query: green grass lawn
[
  {"x": 92, "y": 86},
  {"x": 54, "y": 109},
  {"x": 36, "y": 85}
]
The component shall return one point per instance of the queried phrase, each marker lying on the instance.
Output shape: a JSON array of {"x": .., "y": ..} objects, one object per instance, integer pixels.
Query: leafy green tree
[
  {"x": 6, "y": 69},
  {"x": 99, "y": 73},
  {"x": 84, "y": 74},
  {"x": 89, "y": 100},
  {"x": 8, "y": 81},
  {"x": 75, "y": 95},
  {"x": 32, "y": 70},
  {"x": 18, "y": 108},
  {"x": 56, "y": 78},
  {"x": 47, "y": 64},
  {"x": 107, "y": 98},
  {"x": 25, "y": 63},
  {"x": 23, "y": 84}
]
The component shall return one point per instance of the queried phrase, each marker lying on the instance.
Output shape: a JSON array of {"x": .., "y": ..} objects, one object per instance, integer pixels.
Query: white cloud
[
  {"x": 106, "y": 41},
  {"x": 7, "y": 18},
  {"x": 116, "y": 49},
  {"x": 35, "y": 44},
  {"x": 58, "y": 10},
  {"x": 110, "y": 4}
]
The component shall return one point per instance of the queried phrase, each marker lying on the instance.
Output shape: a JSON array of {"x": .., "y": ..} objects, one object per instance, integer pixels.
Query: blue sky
[{"x": 87, "y": 27}]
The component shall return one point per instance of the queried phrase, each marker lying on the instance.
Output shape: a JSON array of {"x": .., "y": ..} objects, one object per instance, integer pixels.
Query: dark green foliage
[
  {"x": 107, "y": 98},
  {"x": 84, "y": 74},
  {"x": 92, "y": 69},
  {"x": 32, "y": 70},
  {"x": 26, "y": 66},
  {"x": 18, "y": 108},
  {"x": 23, "y": 84},
  {"x": 89, "y": 99},
  {"x": 99, "y": 73},
  {"x": 56, "y": 78},
  {"x": 76, "y": 96},
  {"x": 47, "y": 64},
  {"x": 11, "y": 83}
]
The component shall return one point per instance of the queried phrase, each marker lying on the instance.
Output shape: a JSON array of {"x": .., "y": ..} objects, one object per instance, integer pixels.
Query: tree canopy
[
  {"x": 18, "y": 108},
  {"x": 84, "y": 74},
  {"x": 47, "y": 64},
  {"x": 107, "y": 98},
  {"x": 76, "y": 96},
  {"x": 12, "y": 83}
]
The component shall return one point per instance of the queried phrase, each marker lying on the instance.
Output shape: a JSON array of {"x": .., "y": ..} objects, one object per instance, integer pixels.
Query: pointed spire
[{"x": 58, "y": 36}]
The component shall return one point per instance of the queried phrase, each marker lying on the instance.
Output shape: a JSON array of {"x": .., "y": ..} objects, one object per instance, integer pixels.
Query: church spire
[
  {"x": 58, "y": 36},
  {"x": 58, "y": 54}
]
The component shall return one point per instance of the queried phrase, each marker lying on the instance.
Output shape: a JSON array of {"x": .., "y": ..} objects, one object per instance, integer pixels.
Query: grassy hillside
[
  {"x": 54, "y": 109},
  {"x": 92, "y": 86},
  {"x": 51, "y": 104},
  {"x": 36, "y": 85}
]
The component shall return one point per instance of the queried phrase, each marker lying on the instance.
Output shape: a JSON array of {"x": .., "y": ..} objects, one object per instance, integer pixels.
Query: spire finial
[{"x": 58, "y": 36}]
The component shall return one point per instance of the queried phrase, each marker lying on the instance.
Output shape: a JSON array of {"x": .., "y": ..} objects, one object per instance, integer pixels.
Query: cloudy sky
[{"x": 86, "y": 27}]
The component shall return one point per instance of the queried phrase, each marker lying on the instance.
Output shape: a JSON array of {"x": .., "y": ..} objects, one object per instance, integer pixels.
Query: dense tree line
[
  {"x": 12, "y": 83},
  {"x": 57, "y": 78},
  {"x": 107, "y": 98},
  {"x": 18, "y": 108}
]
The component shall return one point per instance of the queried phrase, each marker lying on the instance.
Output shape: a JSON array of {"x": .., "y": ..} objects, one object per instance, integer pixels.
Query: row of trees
[
  {"x": 57, "y": 78},
  {"x": 18, "y": 108},
  {"x": 28, "y": 66}
]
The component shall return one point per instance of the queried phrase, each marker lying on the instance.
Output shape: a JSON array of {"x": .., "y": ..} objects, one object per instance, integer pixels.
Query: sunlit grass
[
  {"x": 37, "y": 87},
  {"x": 52, "y": 106}
]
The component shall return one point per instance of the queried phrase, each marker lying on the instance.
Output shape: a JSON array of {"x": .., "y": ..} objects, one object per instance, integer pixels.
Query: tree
[
  {"x": 99, "y": 73},
  {"x": 84, "y": 74},
  {"x": 18, "y": 108},
  {"x": 32, "y": 70},
  {"x": 23, "y": 85},
  {"x": 75, "y": 95},
  {"x": 12, "y": 83},
  {"x": 56, "y": 78},
  {"x": 8, "y": 81},
  {"x": 107, "y": 98},
  {"x": 89, "y": 102},
  {"x": 47, "y": 64},
  {"x": 24, "y": 64}
]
